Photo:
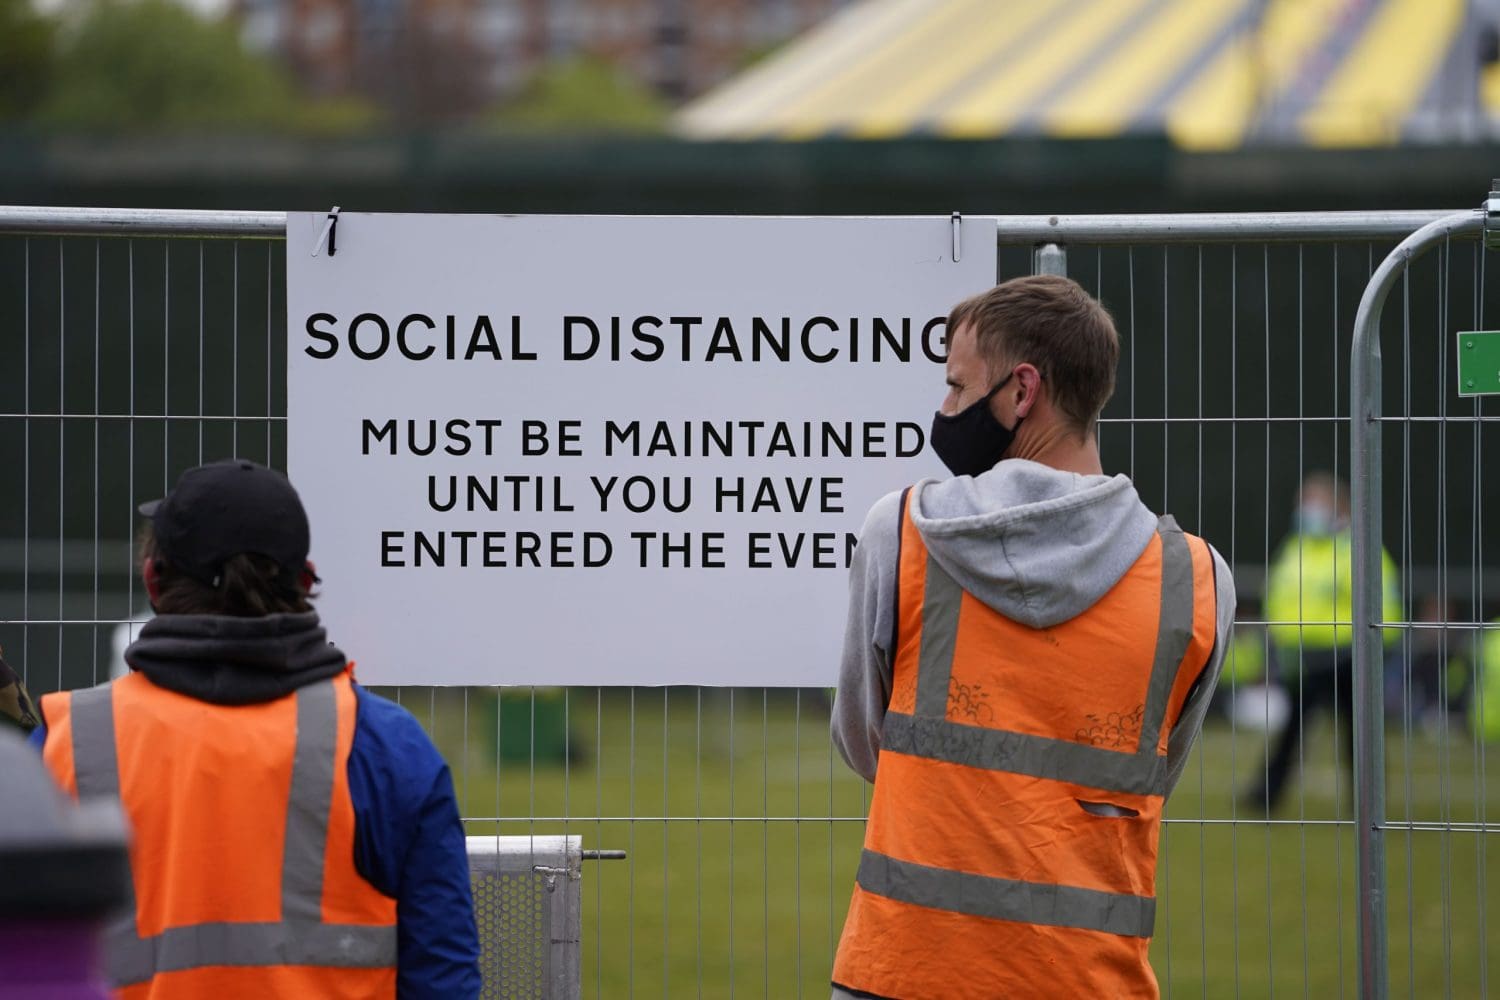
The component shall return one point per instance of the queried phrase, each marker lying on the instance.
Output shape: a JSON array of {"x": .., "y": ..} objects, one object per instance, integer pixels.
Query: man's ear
[
  {"x": 309, "y": 577},
  {"x": 1028, "y": 388},
  {"x": 150, "y": 573}
]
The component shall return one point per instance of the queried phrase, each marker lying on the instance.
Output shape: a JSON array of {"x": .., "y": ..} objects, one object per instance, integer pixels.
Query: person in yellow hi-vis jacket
[
  {"x": 1309, "y": 610},
  {"x": 1484, "y": 702}
]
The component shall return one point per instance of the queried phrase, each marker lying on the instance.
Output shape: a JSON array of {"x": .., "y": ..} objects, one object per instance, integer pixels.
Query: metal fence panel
[
  {"x": 527, "y": 906},
  {"x": 1420, "y": 454},
  {"x": 129, "y": 359}
]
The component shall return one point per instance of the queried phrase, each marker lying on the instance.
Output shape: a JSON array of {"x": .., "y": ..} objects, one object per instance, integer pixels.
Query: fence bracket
[
  {"x": 1492, "y": 217},
  {"x": 329, "y": 235},
  {"x": 1049, "y": 258}
]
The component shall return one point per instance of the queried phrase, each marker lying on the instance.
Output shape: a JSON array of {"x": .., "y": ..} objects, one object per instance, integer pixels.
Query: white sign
[{"x": 608, "y": 450}]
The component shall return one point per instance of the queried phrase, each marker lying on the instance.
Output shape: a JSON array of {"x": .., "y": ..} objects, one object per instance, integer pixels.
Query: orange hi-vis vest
[
  {"x": 1011, "y": 844},
  {"x": 242, "y": 849}
]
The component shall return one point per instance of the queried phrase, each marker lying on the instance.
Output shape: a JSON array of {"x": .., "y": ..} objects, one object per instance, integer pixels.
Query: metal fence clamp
[
  {"x": 1492, "y": 217},
  {"x": 1050, "y": 258}
]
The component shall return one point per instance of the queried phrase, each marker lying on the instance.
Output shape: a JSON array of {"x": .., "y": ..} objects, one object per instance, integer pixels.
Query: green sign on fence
[{"x": 1479, "y": 363}]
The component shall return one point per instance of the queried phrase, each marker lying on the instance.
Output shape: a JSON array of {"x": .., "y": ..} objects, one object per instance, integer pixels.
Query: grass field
[{"x": 743, "y": 829}]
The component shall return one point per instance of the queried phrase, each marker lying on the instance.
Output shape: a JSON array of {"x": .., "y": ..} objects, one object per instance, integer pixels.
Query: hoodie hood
[
  {"x": 1038, "y": 545},
  {"x": 235, "y": 661}
]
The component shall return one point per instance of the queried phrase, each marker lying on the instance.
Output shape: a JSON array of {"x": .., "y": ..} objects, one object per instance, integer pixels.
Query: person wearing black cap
[{"x": 294, "y": 835}]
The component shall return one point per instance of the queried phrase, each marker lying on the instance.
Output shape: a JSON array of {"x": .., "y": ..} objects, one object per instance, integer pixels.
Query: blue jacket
[{"x": 409, "y": 844}]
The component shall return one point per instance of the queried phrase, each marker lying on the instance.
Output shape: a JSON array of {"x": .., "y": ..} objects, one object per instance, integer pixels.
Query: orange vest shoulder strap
[
  {"x": 57, "y": 751},
  {"x": 906, "y": 616},
  {"x": 80, "y": 747},
  {"x": 1174, "y": 630},
  {"x": 1205, "y": 626},
  {"x": 909, "y": 549}
]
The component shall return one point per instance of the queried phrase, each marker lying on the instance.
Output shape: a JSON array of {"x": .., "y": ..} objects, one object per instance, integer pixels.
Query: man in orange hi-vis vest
[
  {"x": 1028, "y": 658},
  {"x": 292, "y": 835}
]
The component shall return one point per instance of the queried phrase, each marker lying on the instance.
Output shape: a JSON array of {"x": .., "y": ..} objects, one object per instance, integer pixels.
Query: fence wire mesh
[{"x": 129, "y": 360}]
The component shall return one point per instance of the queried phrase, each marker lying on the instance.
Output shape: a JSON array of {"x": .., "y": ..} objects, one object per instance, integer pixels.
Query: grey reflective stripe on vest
[
  {"x": 1006, "y": 899},
  {"x": 300, "y": 938},
  {"x": 1174, "y": 630},
  {"x": 1024, "y": 753},
  {"x": 928, "y": 733},
  {"x": 247, "y": 945},
  {"x": 92, "y": 718},
  {"x": 308, "y": 803},
  {"x": 96, "y": 770},
  {"x": 942, "y": 598}
]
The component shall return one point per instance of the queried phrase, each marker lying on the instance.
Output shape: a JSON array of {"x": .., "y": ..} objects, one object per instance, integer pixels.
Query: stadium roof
[{"x": 1212, "y": 74}]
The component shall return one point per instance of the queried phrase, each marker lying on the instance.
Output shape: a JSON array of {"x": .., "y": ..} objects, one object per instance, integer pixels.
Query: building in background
[{"x": 457, "y": 55}]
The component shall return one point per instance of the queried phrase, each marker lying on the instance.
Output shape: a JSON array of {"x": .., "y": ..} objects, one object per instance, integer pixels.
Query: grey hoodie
[{"x": 1038, "y": 545}]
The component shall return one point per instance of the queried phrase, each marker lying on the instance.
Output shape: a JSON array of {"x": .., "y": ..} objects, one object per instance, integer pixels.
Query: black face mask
[{"x": 972, "y": 441}]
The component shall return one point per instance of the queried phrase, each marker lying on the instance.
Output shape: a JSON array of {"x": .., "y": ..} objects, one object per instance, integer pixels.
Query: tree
[
  {"x": 153, "y": 64},
  {"x": 584, "y": 95},
  {"x": 26, "y": 58}
]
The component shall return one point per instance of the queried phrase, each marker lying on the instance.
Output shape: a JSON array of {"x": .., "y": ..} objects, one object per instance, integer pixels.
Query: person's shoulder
[
  {"x": 389, "y": 737},
  {"x": 1214, "y": 555},
  {"x": 884, "y": 513},
  {"x": 1226, "y": 598},
  {"x": 880, "y": 537},
  {"x": 1223, "y": 576}
]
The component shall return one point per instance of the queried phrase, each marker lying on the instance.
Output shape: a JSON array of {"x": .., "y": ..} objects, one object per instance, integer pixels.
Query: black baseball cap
[{"x": 227, "y": 508}]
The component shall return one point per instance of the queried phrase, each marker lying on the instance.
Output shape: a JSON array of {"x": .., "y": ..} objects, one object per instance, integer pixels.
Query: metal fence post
[
  {"x": 1369, "y": 707},
  {"x": 1049, "y": 258}
]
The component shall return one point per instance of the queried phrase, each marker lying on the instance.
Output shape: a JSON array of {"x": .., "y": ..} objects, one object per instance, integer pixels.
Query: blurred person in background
[
  {"x": 1309, "y": 610},
  {"x": 16, "y": 707},
  {"x": 293, "y": 834},
  {"x": 1484, "y": 700},
  {"x": 1028, "y": 657},
  {"x": 1429, "y": 682}
]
